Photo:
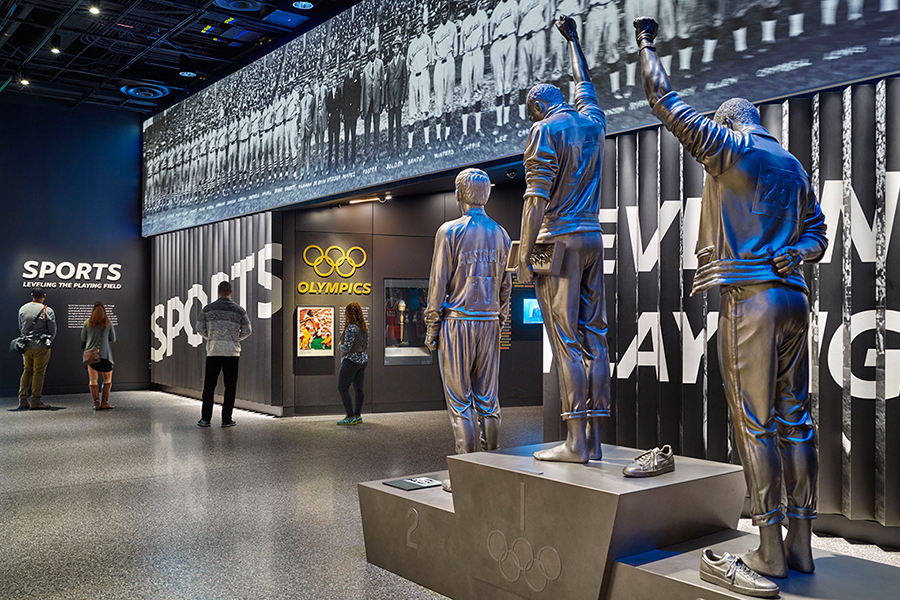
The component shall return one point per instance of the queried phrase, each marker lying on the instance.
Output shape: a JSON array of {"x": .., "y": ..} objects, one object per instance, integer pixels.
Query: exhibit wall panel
[
  {"x": 671, "y": 183},
  {"x": 645, "y": 240},
  {"x": 71, "y": 223},
  {"x": 847, "y": 140},
  {"x": 889, "y": 427},
  {"x": 187, "y": 268},
  {"x": 608, "y": 221},
  {"x": 627, "y": 316}
]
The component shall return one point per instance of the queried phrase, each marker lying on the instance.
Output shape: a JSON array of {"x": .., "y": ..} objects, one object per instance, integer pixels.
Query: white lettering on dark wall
[
  {"x": 67, "y": 271},
  {"x": 695, "y": 343},
  {"x": 170, "y": 319}
]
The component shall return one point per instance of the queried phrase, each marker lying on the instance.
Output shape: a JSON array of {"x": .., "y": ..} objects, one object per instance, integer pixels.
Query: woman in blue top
[
  {"x": 98, "y": 332},
  {"x": 354, "y": 341}
]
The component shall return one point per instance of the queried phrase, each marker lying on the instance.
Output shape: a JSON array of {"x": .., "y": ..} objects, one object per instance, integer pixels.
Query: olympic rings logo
[
  {"x": 520, "y": 558},
  {"x": 334, "y": 264}
]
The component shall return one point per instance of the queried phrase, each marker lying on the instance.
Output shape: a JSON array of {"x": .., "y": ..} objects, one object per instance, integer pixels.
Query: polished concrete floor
[{"x": 140, "y": 503}]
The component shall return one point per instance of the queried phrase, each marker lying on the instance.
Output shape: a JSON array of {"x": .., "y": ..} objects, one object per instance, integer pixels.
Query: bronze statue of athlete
[{"x": 760, "y": 220}]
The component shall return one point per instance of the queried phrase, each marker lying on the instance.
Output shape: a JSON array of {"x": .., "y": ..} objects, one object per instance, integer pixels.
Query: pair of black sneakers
[{"x": 205, "y": 423}]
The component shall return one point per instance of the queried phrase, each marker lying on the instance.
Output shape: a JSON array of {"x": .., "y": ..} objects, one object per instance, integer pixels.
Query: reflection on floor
[{"x": 139, "y": 502}]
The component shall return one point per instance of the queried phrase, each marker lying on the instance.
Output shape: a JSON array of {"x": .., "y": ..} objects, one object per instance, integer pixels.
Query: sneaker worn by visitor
[
  {"x": 346, "y": 421},
  {"x": 651, "y": 463},
  {"x": 203, "y": 423},
  {"x": 228, "y": 424},
  {"x": 731, "y": 573},
  {"x": 357, "y": 420}
]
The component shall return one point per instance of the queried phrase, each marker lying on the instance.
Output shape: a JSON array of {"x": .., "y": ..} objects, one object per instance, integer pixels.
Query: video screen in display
[{"x": 531, "y": 312}]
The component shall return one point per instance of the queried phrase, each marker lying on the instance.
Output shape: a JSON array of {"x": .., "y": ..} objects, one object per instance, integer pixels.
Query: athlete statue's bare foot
[
  {"x": 768, "y": 560},
  {"x": 563, "y": 453},
  {"x": 767, "y": 568},
  {"x": 797, "y": 547}
]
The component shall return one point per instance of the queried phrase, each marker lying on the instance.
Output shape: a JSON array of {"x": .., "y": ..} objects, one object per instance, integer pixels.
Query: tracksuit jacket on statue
[
  {"x": 757, "y": 201},
  {"x": 468, "y": 299}
]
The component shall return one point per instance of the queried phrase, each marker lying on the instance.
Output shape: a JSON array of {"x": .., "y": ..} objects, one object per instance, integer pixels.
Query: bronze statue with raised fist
[
  {"x": 760, "y": 220},
  {"x": 562, "y": 204}
]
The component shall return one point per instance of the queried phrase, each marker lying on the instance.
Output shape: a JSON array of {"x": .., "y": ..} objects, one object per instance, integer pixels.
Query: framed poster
[{"x": 315, "y": 331}]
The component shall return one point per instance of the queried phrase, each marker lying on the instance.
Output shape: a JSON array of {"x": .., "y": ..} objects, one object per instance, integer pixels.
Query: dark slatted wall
[
  {"x": 187, "y": 267},
  {"x": 663, "y": 342}
]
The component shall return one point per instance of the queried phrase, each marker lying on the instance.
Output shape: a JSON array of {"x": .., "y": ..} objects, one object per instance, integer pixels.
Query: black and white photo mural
[{"x": 389, "y": 90}]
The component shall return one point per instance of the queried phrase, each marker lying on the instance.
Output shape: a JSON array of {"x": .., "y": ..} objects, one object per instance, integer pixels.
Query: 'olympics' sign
[{"x": 334, "y": 264}]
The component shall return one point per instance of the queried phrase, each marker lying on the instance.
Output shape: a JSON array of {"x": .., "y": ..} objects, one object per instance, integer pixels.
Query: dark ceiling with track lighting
[{"x": 141, "y": 55}]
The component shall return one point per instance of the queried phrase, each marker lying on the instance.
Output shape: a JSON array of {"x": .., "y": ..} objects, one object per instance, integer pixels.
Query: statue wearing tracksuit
[
  {"x": 563, "y": 157},
  {"x": 468, "y": 301},
  {"x": 759, "y": 221}
]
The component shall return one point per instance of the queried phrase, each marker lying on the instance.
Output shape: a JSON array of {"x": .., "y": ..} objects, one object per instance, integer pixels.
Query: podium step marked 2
[{"x": 520, "y": 528}]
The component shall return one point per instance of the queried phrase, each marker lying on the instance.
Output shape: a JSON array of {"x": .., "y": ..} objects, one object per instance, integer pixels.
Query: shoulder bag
[
  {"x": 92, "y": 355},
  {"x": 20, "y": 344}
]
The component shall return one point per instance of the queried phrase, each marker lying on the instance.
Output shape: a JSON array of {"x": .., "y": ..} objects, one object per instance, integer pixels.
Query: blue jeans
[{"x": 352, "y": 373}]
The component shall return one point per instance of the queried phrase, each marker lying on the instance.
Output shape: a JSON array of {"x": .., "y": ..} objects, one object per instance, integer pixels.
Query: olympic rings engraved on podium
[
  {"x": 520, "y": 558},
  {"x": 334, "y": 264}
]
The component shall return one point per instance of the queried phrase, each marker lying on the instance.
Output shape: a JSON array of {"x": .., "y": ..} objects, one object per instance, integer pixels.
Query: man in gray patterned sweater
[{"x": 223, "y": 324}]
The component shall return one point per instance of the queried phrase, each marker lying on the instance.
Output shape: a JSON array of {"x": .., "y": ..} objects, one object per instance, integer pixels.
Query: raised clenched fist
[
  {"x": 645, "y": 30},
  {"x": 567, "y": 27}
]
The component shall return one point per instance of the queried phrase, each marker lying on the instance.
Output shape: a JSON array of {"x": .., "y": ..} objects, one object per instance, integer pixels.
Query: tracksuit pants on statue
[
  {"x": 469, "y": 357},
  {"x": 573, "y": 305},
  {"x": 765, "y": 368},
  {"x": 228, "y": 366}
]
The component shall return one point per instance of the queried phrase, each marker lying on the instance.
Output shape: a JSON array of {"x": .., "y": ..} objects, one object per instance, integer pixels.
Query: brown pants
[{"x": 35, "y": 361}]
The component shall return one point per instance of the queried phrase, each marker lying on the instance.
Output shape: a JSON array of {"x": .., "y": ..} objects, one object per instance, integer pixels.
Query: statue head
[
  {"x": 473, "y": 187},
  {"x": 541, "y": 98},
  {"x": 737, "y": 112}
]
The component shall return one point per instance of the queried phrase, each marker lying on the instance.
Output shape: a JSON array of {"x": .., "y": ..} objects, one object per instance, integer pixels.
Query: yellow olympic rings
[{"x": 334, "y": 264}]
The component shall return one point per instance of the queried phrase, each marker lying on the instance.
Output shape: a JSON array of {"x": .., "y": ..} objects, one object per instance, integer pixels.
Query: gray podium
[
  {"x": 515, "y": 527},
  {"x": 673, "y": 573}
]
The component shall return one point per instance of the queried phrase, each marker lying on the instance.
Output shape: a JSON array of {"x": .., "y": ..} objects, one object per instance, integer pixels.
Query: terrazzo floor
[{"x": 139, "y": 502}]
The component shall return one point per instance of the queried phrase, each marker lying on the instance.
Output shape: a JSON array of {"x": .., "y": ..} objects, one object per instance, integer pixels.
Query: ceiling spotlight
[
  {"x": 186, "y": 66},
  {"x": 303, "y": 5},
  {"x": 55, "y": 43},
  {"x": 23, "y": 77},
  {"x": 94, "y": 9}
]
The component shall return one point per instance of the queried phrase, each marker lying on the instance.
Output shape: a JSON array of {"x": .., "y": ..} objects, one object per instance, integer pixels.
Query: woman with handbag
[
  {"x": 96, "y": 336},
  {"x": 354, "y": 341}
]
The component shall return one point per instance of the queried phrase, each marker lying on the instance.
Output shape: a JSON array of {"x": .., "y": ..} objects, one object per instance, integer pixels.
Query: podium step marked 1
[{"x": 520, "y": 528}]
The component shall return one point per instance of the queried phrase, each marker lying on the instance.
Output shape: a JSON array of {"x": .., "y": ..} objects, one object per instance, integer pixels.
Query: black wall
[
  {"x": 398, "y": 237},
  {"x": 71, "y": 193}
]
